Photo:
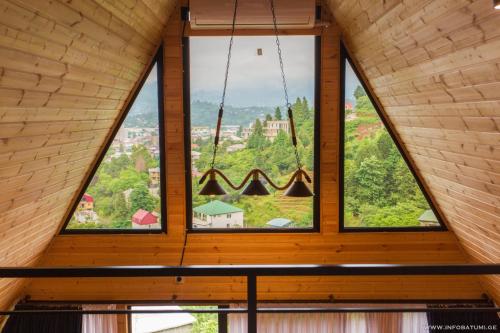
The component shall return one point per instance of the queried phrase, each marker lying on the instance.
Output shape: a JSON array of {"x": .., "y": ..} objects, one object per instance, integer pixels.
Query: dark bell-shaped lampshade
[
  {"x": 255, "y": 187},
  {"x": 212, "y": 187},
  {"x": 298, "y": 189}
]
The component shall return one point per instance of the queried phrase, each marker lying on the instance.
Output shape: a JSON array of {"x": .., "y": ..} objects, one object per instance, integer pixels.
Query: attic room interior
[{"x": 249, "y": 166}]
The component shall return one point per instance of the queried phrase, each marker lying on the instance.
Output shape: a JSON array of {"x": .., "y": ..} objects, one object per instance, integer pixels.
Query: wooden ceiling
[
  {"x": 67, "y": 68},
  {"x": 435, "y": 67}
]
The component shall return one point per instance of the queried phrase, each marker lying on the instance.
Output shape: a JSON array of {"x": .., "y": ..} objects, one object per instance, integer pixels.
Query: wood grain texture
[
  {"x": 66, "y": 70},
  {"x": 435, "y": 67},
  {"x": 326, "y": 247}
]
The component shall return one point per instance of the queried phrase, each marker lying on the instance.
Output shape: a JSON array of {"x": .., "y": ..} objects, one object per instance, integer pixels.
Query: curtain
[
  {"x": 43, "y": 322},
  {"x": 463, "y": 321},
  {"x": 99, "y": 323},
  {"x": 333, "y": 322}
]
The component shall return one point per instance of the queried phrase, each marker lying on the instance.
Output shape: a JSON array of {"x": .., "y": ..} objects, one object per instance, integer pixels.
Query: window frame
[
  {"x": 315, "y": 228},
  {"x": 344, "y": 58},
  {"x": 158, "y": 61}
]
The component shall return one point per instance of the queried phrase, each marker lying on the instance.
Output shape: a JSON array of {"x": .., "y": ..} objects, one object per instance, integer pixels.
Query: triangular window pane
[
  {"x": 125, "y": 191},
  {"x": 380, "y": 191}
]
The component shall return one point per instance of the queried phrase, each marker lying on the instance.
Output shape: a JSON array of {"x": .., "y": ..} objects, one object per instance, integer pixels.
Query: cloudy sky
[{"x": 253, "y": 80}]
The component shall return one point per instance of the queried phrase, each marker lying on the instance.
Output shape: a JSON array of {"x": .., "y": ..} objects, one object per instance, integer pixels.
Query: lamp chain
[
  {"x": 221, "y": 106},
  {"x": 285, "y": 89}
]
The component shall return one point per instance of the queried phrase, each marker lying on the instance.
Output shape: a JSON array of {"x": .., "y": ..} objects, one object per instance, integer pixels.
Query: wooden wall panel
[
  {"x": 66, "y": 70},
  {"x": 326, "y": 247},
  {"x": 435, "y": 66}
]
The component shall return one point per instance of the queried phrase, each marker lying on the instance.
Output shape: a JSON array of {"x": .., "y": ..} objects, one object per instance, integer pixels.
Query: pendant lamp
[{"x": 296, "y": 187}]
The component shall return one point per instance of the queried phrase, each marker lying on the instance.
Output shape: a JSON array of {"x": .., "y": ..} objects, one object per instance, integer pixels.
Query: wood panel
[
  {"x": 66, "y": 70},
  {"x": 435, "y": 67},
  {"x": 325, "y": 247}
]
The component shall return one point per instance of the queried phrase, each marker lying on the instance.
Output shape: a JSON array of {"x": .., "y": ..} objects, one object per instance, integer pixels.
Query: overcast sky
[
  {"x": 253, "y": 80},
  {"x": 351, "y": 82}
]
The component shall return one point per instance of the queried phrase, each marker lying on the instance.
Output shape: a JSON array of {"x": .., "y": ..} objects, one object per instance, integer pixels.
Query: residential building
[
  {"x": 142, "y": 219},
  {"x": 154, "y": 176},
  {"x": 217, "y": 214},
  {"x": 86, "y": 202}
]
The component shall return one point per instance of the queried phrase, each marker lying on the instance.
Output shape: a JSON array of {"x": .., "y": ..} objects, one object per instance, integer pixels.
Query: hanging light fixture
[
  {"x": 496, "y": 4},
  {"x": 296, "y": 187},
  {"x": 255, "y": 187}
]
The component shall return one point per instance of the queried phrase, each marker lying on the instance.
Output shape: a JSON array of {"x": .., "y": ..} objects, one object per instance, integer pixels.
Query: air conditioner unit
[{"x": 252, "y": 14}]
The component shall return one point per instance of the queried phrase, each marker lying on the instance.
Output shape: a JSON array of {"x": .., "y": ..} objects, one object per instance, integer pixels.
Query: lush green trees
[
  {"x": 114, "y": 177},
  {"x": 257, "y": 140},
  {"x": 379, "y": 189},
  {"x": 141, "y": 199},
  {"x": 276, "y": 158}
]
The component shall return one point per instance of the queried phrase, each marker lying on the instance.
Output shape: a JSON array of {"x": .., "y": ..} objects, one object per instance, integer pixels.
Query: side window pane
[
  {"x": 255, "y": 130},
  {"x": 379, "y": 189},
  {"x": 125, "y": 191}
]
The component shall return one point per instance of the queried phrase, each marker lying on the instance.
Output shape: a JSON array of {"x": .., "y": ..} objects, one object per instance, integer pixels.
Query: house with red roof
[
  {"x": 142, "y": 219},
  {"x": 348, "y": 106},
  {"x": 86, "y": 203}
]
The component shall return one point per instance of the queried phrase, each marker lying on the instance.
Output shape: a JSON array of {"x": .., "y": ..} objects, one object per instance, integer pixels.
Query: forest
[
  {"x": 379, "y": 189},
  {"x": 275, "y": 157}
]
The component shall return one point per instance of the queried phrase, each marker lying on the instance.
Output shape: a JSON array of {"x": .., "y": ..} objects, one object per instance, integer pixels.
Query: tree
[
  {"x": 120, "y": 206},
  {"x": 365, "y": 106},
  {"x": 359, "y": 92},
  {"x": 370, "y": 181},
  {"x": 257, "y": 138},
  {"x": 282, "y": 152},
  {"x": 277, "y": 114},
  {"x": 141, "y": 199}
]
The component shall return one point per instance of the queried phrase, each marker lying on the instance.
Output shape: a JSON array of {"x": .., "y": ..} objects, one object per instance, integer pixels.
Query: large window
[
  {"x": 255, "y": 129},
  {"x": 125, "y": 191},
  {"x": 380, "y": 191}
]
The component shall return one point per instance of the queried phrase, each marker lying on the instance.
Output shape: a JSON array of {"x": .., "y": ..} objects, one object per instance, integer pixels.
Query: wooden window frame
[
  {"x": 344, "y": 58},
  {"x": 315, "y": 228},
  {"x": 158, "y": 61}
]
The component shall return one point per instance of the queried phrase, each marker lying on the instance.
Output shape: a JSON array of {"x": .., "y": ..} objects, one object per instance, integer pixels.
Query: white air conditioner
[{"x": 252, "y": 14}]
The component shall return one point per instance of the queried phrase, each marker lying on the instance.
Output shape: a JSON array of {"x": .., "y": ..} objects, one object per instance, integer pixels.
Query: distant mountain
[
  {"x": 205, "y": 114},
  {"x": 144, "y": 111}
]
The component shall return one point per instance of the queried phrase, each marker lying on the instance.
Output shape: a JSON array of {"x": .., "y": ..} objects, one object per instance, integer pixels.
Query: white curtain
[
  {"x": 99, "y": 323},
  {"x": 413, "y": 322}
]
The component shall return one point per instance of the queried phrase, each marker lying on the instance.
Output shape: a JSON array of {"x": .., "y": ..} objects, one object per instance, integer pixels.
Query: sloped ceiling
[
  {"x": 66, "y": 69},
  {"x": 435, "y": 67}
]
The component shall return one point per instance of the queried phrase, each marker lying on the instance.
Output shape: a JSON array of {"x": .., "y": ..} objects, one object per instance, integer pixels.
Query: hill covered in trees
[
  {"x": 275, "y": 157},
  {"x": 379, "y": 189}
]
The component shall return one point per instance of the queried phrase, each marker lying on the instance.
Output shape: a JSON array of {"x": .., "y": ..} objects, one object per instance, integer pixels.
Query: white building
[
  {"x": 217, "y": 214},
  {"x": 274, "y": 126}
]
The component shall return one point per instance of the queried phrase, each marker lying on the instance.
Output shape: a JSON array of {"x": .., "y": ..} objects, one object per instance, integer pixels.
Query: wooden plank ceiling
[
  {"x": 435, "y": 67},
  {"x": 67, "y": 67}
]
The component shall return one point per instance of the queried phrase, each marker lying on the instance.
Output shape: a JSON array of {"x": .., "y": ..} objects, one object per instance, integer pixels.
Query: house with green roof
[{"x": 217, "y": 214}]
